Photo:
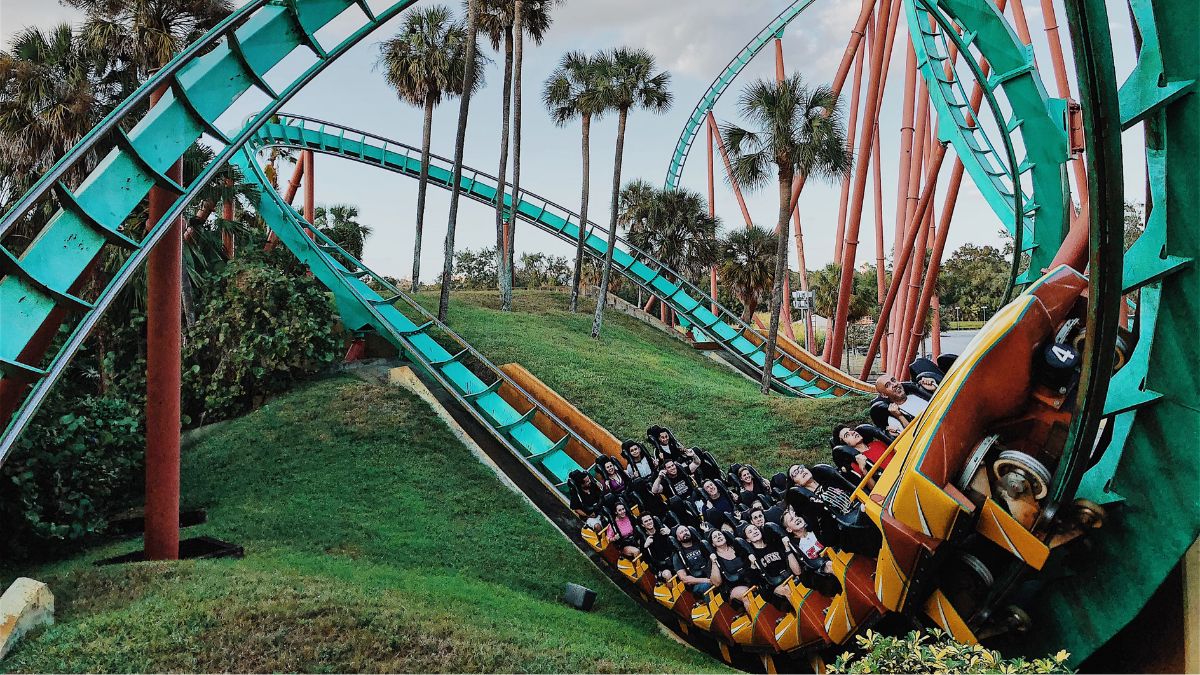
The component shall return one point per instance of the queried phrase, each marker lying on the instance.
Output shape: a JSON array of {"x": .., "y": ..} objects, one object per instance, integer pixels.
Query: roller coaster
[{"x": 1051, "y": 450}]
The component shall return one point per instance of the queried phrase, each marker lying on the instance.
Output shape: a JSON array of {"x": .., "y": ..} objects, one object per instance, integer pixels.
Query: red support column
[
  {"x": 855, "y": 91},
  {"x": 289, "y": 197},
  {"x": 164, "y": 366},
  {"x": 902, "y": 258},
  {"x": 310, "y": 204},
  {"x": 737, "y": 190},
  {"x": 880, "y": 272},
  {"x": 850, "y": 247},
  {"x": 227, "y": 215}
]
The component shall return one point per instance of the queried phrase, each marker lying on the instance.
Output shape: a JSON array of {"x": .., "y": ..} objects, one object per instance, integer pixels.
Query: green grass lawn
[
  {"x": 357, "y": 559},
  {"x": 636, "y": 376}
]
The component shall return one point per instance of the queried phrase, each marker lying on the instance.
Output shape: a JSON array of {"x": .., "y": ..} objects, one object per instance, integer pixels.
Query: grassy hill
[
  {"x": 636, "y": 376},
  {"x": 374, "y": 542}
]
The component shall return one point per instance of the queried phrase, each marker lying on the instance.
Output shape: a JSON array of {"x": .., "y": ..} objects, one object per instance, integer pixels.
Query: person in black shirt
[
  {"x": 674, "y": 483},
  {"x": 691, "y": 562},
  {"x": 657, "y": 545},
  {"x": 822, "y": 498},
  {"x": 730, "y": 568},
  {"x": 718, "y": 505},
  {"x": 585, "y": 498},
  {"x": 774, "y": 560},
  {"x": 752, "y": 487},
  {"x": 664, "y": 443}
]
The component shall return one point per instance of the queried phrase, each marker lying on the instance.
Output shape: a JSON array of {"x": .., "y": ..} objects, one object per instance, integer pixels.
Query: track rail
[
  {"x": 367, "y": 299},
  {"x": 1032, "y": 143},
  {"x": 37, "y": 289},
  {"x": 804, "y": 376},
  {"x": 718, "y": 86}
]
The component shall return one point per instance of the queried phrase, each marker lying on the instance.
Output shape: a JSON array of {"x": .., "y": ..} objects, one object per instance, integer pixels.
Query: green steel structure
[
  {"x": 1032, "y": 133},
  {"x": 690, "y": 303},
  {"x": 688, "y": 136},
  {"x": 1146, "y": 476},
  {"x": 368, "y": 301},
  {"x": 1129, "y": 446},
  {"x": 38, "y": 289}
]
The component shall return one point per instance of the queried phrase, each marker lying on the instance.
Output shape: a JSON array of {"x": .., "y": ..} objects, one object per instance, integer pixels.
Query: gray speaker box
[{"x": 579, "y": 597}]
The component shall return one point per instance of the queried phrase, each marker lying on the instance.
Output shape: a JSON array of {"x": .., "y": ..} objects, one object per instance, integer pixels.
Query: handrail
[
  {"x": 431, "y": 369},
  {"x": 408, "y": 151},
  {"x": 125, "y": 272},
  {"x": 140, "y": 95}
]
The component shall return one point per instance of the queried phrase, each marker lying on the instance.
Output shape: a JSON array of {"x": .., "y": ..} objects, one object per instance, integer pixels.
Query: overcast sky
[{"x": 692, "y": 40}]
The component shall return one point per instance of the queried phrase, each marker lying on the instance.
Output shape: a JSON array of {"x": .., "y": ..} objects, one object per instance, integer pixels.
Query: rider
[{"x": 898, "y": 403}]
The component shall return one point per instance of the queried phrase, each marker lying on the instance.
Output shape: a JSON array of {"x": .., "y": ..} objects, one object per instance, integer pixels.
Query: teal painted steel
[
  {"x": 360, "y": 294},
  {"x": 1033, "y": 138},
  {"x": 690, "y": 129},
  {"x": 691, "y": 303},
  {"x": 1146, "y": 476},
  {"x": 203, "y": 82}
]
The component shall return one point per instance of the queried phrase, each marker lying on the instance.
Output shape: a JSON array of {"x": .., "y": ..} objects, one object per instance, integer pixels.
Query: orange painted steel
[
  {"x": 843, "y": 71},
  {"x": 855, "y": 91},
  {"x": 737, "y": 190},
  {"x": 915, "y": 166},
  {"x": 587, "y": 428},
  {"x": 850, "y": 247},
  {"x": 164, "y": 371},
  {"x": 310, "y": 204},
  {"x": 902, "y": 259},
  {"x": 289, "y": 196},
  {"x": 880, "y": 272}
]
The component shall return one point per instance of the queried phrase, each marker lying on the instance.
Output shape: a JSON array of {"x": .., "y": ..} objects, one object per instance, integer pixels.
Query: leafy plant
[
  {"x": 68, "y": 472},
  {"x": 936, "y": 652},
  {"x": 260, "y": 332}
]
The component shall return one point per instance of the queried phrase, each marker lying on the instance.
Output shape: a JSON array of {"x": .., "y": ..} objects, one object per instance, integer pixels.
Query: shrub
[
  {"x": 935, "y": 652},
  {"x": 68, "y": 471},
  {"x": 261, "y": 330}
]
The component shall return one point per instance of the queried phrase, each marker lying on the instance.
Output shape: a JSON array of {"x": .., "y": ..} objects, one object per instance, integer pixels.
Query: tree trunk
[
  {"x": 583, "y": 212},
  {"x": 422, "y": 189},
  {"x": 518, "y": 55},
  {"x": 781, "y": 255},
  {"x": 503, "y": 277},
  {"x": 464, "y": 106},
  {"x": 606, "y": 272}
]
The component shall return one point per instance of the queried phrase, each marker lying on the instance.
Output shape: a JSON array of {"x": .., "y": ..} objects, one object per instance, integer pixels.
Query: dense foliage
[
  {"x": 80, "y": 458},
  {"x": 935, "y": 653},
  {"x": 260, "y": 332}
]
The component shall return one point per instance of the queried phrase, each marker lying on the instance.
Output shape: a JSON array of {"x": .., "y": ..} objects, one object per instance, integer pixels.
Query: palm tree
[
  {"x": 340, "y": 223},
  {"x": 497, "y": 20},
  {"x": 51, "y": 93},
  {"x": 573, "y": 90},
  {"x": 671, "y": 225},
  {"x": 748, "y": 265},
  {"x": 530, "y": 17},
  {"x": 799, "y": 130},
  {"x": 424, "y": 62},
  {"x": 141, "y": 35},
  {"x": 630, "y": 82},
  {"x": 464, "y": 106}
]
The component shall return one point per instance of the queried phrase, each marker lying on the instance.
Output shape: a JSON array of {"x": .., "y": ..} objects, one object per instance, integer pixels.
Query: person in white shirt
[{"x": 902, "y": 407}]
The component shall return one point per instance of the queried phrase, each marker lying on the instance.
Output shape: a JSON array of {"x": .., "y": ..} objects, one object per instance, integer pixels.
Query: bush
[
  {"x": 261, "y": 331},
  {"x": 936, "y": 652},
  {"x": 68, "y": 471}
]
